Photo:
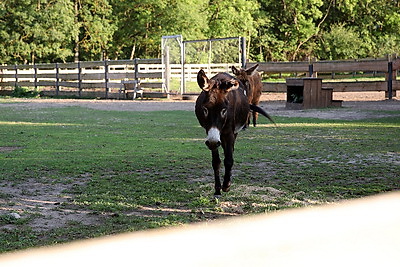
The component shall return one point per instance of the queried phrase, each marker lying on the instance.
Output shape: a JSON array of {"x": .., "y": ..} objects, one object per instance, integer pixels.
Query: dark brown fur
[
  {"x": 251, "y": 80},
  {"x": 222, "y": 105}
]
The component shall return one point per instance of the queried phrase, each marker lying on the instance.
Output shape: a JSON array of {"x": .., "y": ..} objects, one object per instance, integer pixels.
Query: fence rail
[
  {"x": 150, "y": 74},
  {"x": 312, "y": 69},
  {"x": 107, "y": 75},
  {"x": 81, "y": 75}
]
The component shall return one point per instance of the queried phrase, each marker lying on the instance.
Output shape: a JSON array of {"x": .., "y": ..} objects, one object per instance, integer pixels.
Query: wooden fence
[
  {"x": 110, "y": 75},
  {"x": 106, "y": 74},
  {"x": 312, "y": 69}
]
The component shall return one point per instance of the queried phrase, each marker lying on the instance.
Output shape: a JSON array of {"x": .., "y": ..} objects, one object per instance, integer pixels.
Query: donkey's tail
[{"x": 261, "y": 111}]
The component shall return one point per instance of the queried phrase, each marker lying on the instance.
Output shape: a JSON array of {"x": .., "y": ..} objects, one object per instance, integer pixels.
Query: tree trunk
[{"x": 133, "y": 52}]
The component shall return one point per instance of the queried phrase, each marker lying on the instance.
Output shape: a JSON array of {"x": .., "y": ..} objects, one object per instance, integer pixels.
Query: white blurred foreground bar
[{"x": 364, "y": 232}]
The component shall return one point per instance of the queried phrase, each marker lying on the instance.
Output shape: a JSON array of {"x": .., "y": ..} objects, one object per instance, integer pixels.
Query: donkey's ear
[
  {"x": 235, "y": 70},
  {"x": 251, "y": 70},
  {"x": 203, "y": 81},
  {"x": 227, "y": 86}
]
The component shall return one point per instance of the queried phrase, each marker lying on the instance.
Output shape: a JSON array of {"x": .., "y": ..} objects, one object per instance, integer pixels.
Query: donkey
[
  {"x": 222, "y": 109},
  {"x": 251, "y": 79}
]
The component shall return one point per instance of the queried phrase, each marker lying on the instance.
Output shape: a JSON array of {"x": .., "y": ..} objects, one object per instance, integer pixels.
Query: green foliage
[
  {"x": 371, "y": 23},
  {"x": 94, "y": 18},
  {"x": 296, "y": 30},
  {"x": 33, "y": 30},
  {"x": 231, "y": 18},
  {"x": 7, "y": 219},
  {"x": 24, "y": 92},
  {"x": 292, "y": 26},
  {"x": 344, "y": 43},
  {"x": 65, "y": 30},
  {"x": 141, "y": 24}
]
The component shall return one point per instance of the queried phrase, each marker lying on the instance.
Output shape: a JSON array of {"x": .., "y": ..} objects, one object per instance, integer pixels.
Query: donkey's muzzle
[
  {"x": 213, "y": 145},
  {"x": 213, "y": 140}
]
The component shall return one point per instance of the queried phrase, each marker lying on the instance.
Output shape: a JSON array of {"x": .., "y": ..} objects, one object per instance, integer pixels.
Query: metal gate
[
  {"x": 212, "y": 55},
  {"x": 171, "y": 58}
]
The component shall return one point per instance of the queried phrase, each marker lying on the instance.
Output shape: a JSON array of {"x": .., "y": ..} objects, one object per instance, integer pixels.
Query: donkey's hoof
[
  {"x": 226, "y": 189},
  {"x": 226, "y": 186}
]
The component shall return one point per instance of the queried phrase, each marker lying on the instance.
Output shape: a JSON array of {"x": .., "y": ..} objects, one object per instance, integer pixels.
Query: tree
[
  {"x": 229, "y": 18},
  {"x": 96, "y": 29},
  {"x": 342, "y": 43},
  {"x": 290, "y": 28},
  {"x": 36, "y": 30},
  {"x": 142, "y": 23},
  {"x": 375, "y": 23},
  {"x": 63, "y": 30}
]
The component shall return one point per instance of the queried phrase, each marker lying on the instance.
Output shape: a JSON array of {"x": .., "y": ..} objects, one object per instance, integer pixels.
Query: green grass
[{"x": 142, "y": 170}]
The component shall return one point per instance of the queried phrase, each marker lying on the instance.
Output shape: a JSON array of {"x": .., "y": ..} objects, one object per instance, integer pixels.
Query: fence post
[
  {"x": 167, "y": 73},
  {"x": 16, "y": 75},
  {"x": 35, "y": 75},
  {"x": 183, "y": 59},
  {"x": 79, "y": 79},
  {"x": 310, "y": 70},
  {"x": 136, "y": 66},
  {"x": 209, "y": 57},
  {"x": 57, "y": 80},
  {"x": 243, "y": 50},
  {"x": 106, "y": 80},
  {"x": 389, "y": 93},
  {"x": 136, "y": 83}
]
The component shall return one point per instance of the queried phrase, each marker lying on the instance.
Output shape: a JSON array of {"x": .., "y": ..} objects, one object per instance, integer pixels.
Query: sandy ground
[
  {"x": 42, "y": 201},
  {"x": 355, "y": 106}
]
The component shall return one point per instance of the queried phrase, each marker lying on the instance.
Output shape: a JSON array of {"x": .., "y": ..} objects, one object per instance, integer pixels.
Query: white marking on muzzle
[{"x": 214, "y": 135}]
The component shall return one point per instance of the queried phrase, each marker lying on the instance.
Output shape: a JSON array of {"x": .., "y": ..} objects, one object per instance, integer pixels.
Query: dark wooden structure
[
  {"x": 307, "y": 93},
  {"x": 386, "y": 68}
]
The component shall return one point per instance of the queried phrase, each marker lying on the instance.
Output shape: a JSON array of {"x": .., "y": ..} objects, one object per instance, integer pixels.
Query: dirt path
[{"x": 272, "y": 103}]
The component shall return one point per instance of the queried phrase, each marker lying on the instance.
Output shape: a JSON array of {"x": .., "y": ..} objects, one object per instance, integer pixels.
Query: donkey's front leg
[
  {"x": 216, "y": 164},
  {"x": 228, "y": 162}
]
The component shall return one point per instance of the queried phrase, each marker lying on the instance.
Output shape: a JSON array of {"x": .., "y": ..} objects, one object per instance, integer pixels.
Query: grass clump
[{"x": 24, "y": 92}]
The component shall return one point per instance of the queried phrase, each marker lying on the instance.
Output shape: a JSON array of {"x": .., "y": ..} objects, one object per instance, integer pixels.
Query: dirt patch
[
  {"x": 117, "y": 105},
  {"x": 42, "y": 205},
  {"x": 356, "y": 106},
  {"x": 9, "y": 148},
  {"x": 349, "y": 111},
  {"x": 352, "y": 109}
]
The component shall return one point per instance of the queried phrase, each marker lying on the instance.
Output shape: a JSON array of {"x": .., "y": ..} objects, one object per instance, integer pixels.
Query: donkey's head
[
  {"x": 213, "y": 111},
  {"x": 243, "y": 74}
]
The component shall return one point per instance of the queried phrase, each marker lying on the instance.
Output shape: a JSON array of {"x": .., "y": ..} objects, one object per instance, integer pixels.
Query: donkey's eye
[
  {"x": 205, "y": 110},
  {"x": 223, "y": 112}
]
